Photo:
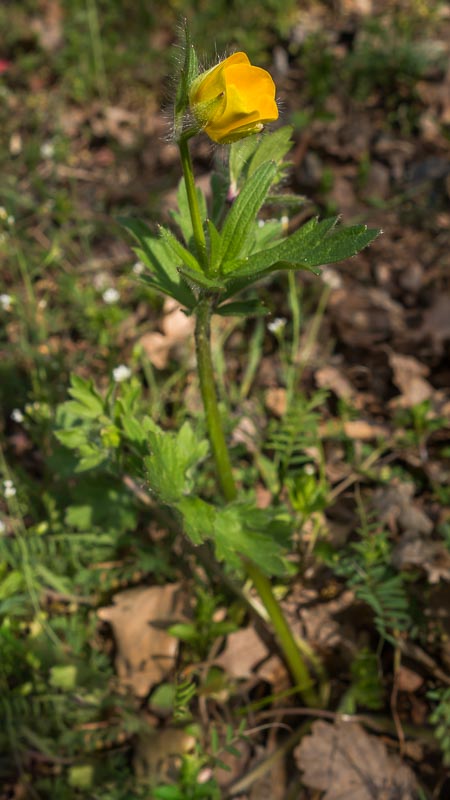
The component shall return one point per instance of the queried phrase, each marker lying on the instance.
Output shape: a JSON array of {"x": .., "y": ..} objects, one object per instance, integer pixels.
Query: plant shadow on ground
[{"x": 362, "y": 452}]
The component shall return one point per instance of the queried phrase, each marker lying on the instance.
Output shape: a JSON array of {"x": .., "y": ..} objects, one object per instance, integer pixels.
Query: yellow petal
[{"x": 234, "y": 99}]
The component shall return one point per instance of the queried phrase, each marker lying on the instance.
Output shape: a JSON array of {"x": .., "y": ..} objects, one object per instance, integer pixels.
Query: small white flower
[
  {"x": 3, "y": 212},
  {"x": 121, "y": 373},
  {"x": 138, "y": 268},
  {"x": 261, "y": 223},
  {"x": 331, "y": 278},
  {"x": 10, "y": 220},
  {"x": 276, "y": 325},
  {"x": 5, "y": 302},
  {"x": 110, "y": 296},
  {"x": 2, "y": 527},
  {"x": 16, "y": 415},
  {"x": 309, "y": 469},
  {"x": 9, "y": 489},
  {"x": 47, "y": 150}
]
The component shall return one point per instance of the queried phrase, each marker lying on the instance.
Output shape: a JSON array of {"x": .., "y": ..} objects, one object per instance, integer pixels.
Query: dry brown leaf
[
  {"x": 436, "y": 322},
  {"x": 354, "y": 429},
  {"x": 272, "y": 784},
  {"x": 246, "y": 433},
  {"x": 176, "y": 327},
  {"x": 362, "y": 7},
  {"x": 117, "y": 123},
  {"x": 408, "y": 376},
  {"x": 395, "y": 507},
  {"x": 347, "y": 764},
  {"x": 48, "y": 26},
  {"x": 243, "y": 651},
  {"x": 365, "y": 316},
  {"x": 275, "y": 400},
  {"x": 360, "y": 429},
  {"x": 330, "y": 377},
  {"x": 407, "y": 680},
  {"x": 432, "y": 557},
  {"x": 157, "y": 753},
  {"x": 156, "y": 348},
  {"x": 139, "y": 618}
]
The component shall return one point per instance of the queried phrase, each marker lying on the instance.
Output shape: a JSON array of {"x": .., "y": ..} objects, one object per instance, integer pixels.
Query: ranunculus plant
[
  {"x": 222, "y": 253},
  {"x": 208, "y": 265}
]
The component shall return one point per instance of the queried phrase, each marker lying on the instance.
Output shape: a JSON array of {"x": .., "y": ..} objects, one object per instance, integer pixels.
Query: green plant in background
[
  {"x": 365, "y": 566},
  {"x": 440, "y": 719},
  {"x": 388, "y": 57}
]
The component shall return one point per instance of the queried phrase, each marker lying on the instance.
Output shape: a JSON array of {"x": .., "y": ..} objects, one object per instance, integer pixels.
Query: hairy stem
[
  {"x": 209, "y": 396},
  {"x": 191, "y": 191},
  {"x": 297, "y": 666}
]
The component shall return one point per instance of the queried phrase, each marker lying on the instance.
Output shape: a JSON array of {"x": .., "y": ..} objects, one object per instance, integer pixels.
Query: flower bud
[{"x": 233, "y": 99}]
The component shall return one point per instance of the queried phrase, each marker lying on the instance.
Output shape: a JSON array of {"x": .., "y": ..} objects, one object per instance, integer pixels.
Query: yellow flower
[{"x": 233, "y": 99}]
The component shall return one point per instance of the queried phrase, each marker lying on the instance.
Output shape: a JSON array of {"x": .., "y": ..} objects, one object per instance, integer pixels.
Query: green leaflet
[
  {"x": 215, "y": 244},
  {"x": 198, "y": 518},
  {"x": 247, "y": 155},
  {"x": 242, "y": 530},
  {"x": 179, "y": 252},
  {"x": 273, "y": 146},
  {"x": 158, "y": 257},
  {"x": 200, "y": 280},
  {"x": 314, "y": 244},
  {"x": 238, "y": 530},
  {"x": 90, "y": 403},
  {"x": 238, "y": 225},
  {"x": 243, "y": 308},
  {"x": 241, "y": 153},
  {"x": 172, "y": 457}
]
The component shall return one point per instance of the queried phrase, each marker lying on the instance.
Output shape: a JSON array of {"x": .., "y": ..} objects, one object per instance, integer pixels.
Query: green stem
[
  {"x": 221, "y": 455},
  {"x": 294, "y": 302},
  {"x": 227, "y": 484},
  {"x": 209, "y": 396},
  {"x": 297, "y": 666},
  {"x": 191, "y": 191}
]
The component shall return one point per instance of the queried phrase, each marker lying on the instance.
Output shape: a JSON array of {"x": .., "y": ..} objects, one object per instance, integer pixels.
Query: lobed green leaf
[{"x": 313, "y": 245}]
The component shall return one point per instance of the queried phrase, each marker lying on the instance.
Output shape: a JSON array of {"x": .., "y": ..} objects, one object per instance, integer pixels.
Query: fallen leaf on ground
[
  {"x": 361, "y": 429},
  {"x": 49, "y": 25},
  {"x": 275, "y": 401},
  {"x": 157, "y": 753},
  {"x": 436, "y": 322},
  {"x": 243, "y": 650},
  {"x": 407, "y": 680},
  {"x": 366, "y": 316},
  {"x": 396, "y": 508},
  {"x": 177, "y": 329},
  {"x": 139, "y": 617},
  {"x": 330, "y": 377},
  {"x": 408, "y": 376},
  {"x": 348, "y": 764},
  {"x": 432, "y": 557}
]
